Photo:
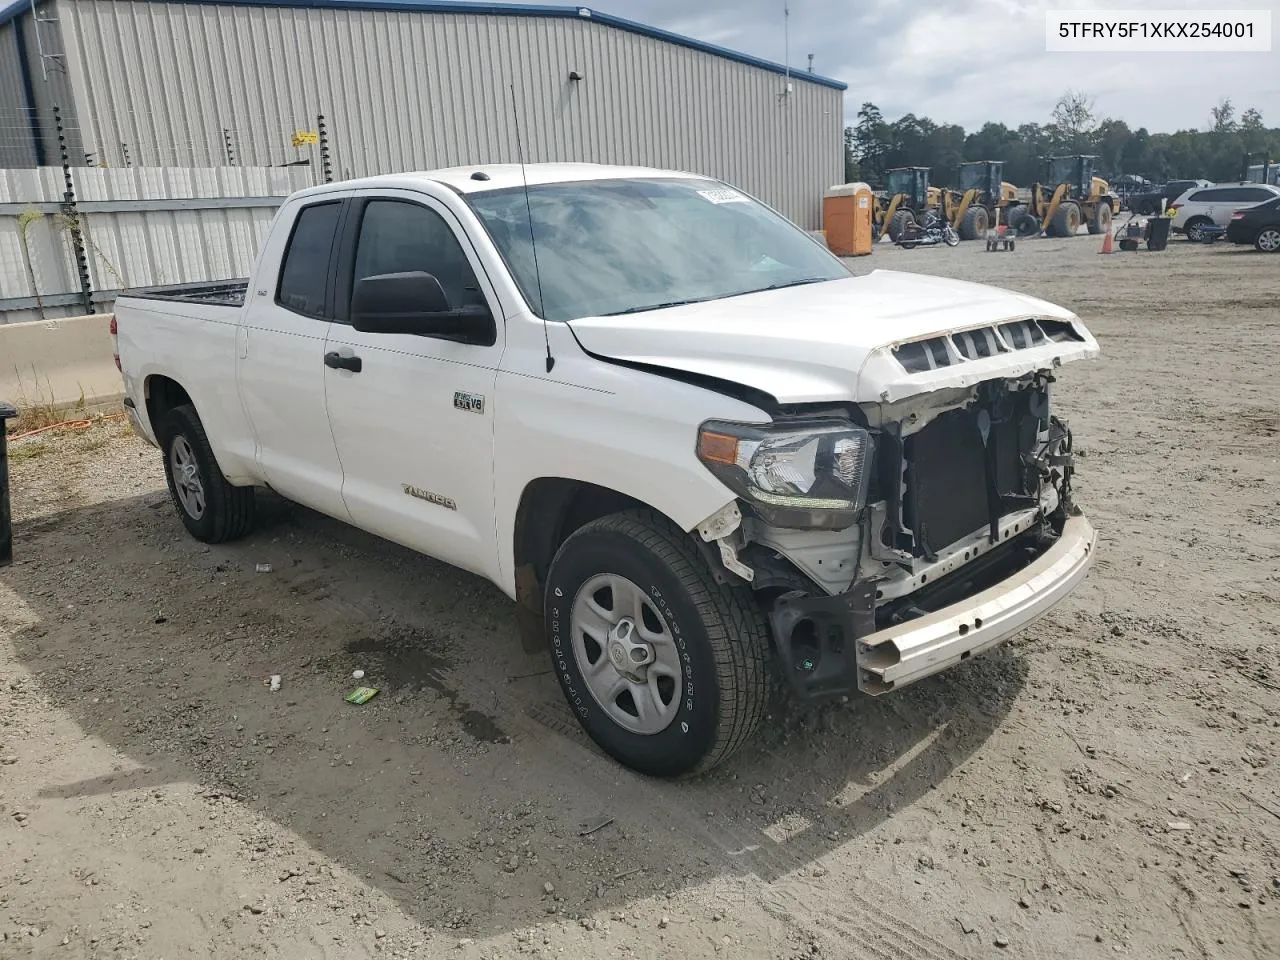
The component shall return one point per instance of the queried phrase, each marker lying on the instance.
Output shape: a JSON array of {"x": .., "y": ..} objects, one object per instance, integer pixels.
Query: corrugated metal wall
[
  {"x": 414, "y": 90},
  {"x": 28, "y": 133},
  {"x": 142, "y": 227}
]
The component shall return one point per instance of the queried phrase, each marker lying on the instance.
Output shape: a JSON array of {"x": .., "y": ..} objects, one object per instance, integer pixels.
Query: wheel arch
[
  {"x": 550, "y": 510},
  {"x": 161, "y": 394}
]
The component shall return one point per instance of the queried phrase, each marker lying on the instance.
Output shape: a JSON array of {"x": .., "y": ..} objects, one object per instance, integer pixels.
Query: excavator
[
  {"x": 981, "y": 193},
  {"x": 1071, "y": 195}
]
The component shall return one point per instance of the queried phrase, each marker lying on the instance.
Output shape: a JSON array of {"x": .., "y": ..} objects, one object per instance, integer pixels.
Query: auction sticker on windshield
[{"x": 722, "y": 195}]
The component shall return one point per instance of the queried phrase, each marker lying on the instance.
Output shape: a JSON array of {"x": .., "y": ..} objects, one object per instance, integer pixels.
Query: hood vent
[{"x": 917, "y": 356}]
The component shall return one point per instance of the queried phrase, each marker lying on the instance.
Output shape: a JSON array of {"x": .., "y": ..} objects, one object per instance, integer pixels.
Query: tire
[
  {"x": 949, "y": 236},
  {"x": 1011, "y": 242},
  {"x": 1100, "y": 222},
  {"x": 1028, "y": 225},
  {"x": 1012, "y": 216},
  {"x": 909, "y": 244},
  {"x": 975, "y": 223},
  {"x": 1194, "y": 227},
  {"x": 1268, "y": 240},
  {"x": 1066, "y": 220},
  {"x": 212, "y": 510},
  {"x": 899, "y": 222},
  {"x": 1145, "y": 208},
  {"x": 716, "y": 638}
]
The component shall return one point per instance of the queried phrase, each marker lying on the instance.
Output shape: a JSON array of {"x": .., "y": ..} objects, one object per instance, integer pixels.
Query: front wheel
[
  {"x": 950, "y": 237},
  {"x": 211, "y": 509},
  {"x": 1268, "y": 240},
  {"x": 663, "y": 667}
]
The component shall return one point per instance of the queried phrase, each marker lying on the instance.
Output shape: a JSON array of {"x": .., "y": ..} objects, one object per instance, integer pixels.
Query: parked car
[
  {"x": 660, "y": 417},
  {"x": 1150, "y": 202},
  {"x": 1215, "y": 205},
  {"x": 1258, "y": 225}
]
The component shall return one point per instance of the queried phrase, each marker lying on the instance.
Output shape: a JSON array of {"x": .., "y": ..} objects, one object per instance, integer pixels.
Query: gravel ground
[{"x": 1104, "y": 784}]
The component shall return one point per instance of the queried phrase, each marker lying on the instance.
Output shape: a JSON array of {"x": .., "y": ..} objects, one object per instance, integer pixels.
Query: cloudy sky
[{"x": 969, "y": 61}]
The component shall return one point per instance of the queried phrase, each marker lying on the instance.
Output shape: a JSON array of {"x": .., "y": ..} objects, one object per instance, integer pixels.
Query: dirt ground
[{"x": 1104, "y": 784}]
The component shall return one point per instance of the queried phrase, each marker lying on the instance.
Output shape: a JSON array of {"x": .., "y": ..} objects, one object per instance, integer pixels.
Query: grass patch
[
  {"x": 37, "y": 408},
  {"x": 28, "y": 450}
]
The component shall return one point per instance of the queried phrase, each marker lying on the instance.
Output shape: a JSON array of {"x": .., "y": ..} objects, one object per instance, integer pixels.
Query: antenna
[
  {"x": 786, "y": 52},
  {"x": 533, "y": 242}
]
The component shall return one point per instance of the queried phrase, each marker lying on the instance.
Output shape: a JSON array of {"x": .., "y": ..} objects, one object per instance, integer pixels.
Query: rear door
[
  {"x": 280, "y": 357},
  {"x": 1244, "y": 198},
  {"x": 414, "y": 424}
]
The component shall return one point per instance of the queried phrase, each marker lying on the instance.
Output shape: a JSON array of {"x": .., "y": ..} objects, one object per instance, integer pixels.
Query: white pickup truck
[{"x": 663, "y": 419}]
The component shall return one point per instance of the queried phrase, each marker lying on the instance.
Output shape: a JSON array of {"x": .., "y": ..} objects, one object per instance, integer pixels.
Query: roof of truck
[{"x": 503, "y": 176}]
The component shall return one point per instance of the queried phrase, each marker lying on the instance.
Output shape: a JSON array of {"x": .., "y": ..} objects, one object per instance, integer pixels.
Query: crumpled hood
[{"x": 833, "y": 342}]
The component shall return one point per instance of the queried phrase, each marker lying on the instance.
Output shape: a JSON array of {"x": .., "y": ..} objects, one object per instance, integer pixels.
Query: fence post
[
  {"x": 6, "y": 518},
  {"x": 326, "y": 167},
  {"x": 73, "y": 216}
]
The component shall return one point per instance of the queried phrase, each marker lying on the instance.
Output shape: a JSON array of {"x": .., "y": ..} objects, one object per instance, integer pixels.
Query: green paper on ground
[{"x": 362, "y": 694}]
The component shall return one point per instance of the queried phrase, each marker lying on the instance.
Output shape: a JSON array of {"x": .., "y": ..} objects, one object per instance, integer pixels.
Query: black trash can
[
  {"x": 7, "y": 413},
  {"x": 1158, "y": 233}
]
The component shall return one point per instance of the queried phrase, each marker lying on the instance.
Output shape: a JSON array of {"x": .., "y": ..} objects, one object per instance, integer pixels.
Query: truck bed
[{"x": 225, "y": 293}]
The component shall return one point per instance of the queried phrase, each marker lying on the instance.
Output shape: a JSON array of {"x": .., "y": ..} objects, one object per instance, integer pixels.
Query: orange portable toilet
[{"x": 846, "y": 219}]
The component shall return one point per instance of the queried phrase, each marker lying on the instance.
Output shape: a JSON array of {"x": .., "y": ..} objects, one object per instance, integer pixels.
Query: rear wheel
[
  {"x": 1028, "y": 225},
  {"x": 1100, "y": 222},
  {"x": 663, "y": 667},
  {"x": 1195, "y": 229},
  {"x": 1066, "y": 220},
  {"x": 974, "y": 224},
  {"x": 899, "y": 223},
  {"x": 211, "y": 509},
  {"x": 1012, "y": 216},
  {"x": 1268, "y": 240}
]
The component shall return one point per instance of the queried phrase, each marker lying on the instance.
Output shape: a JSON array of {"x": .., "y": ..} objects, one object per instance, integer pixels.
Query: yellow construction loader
[
  {"x": 1072, "y": 195},
  {"x": 906, "y": 197},
  {"x": 981, "y": 193}
]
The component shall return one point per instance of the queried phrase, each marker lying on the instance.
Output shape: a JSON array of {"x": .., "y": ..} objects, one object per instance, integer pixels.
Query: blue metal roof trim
[
  {"x": 14, "y": 7},
  {"x": 11, "y": 9}
]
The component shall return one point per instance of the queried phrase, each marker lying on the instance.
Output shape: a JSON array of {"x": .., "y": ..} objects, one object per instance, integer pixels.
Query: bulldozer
[
  {"x": 980, "y": 195},
  {"x": 907, "y": 196},
  {"x": 1071, "y": 195}
]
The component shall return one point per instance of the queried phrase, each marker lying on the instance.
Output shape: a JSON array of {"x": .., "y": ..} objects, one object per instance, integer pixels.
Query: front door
[
  {"x": 414, "y": 423},
  {"x": 280, "y": 361}
]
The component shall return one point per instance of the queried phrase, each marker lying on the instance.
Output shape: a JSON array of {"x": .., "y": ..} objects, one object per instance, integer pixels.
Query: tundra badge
[
  {"x": 428, "y": 496},
  {"x": 470, "y": 402}
]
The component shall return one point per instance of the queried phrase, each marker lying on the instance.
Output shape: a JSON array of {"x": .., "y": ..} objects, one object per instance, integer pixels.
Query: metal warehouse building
[{"x": 404, "y": 85}]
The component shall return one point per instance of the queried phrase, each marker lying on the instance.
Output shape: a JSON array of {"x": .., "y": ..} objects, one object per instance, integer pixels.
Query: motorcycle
[{"x": 933, "y": 231}]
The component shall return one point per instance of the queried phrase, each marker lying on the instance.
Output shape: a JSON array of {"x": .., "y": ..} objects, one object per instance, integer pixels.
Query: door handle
[{"x": 336, "y": 361}]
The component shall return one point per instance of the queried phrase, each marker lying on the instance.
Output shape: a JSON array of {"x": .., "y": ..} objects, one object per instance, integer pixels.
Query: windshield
[{"x": 623, "y": 246}]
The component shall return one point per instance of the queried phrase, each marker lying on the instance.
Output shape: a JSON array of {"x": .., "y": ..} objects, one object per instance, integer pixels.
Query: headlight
[{"x": 801, "y": 475}]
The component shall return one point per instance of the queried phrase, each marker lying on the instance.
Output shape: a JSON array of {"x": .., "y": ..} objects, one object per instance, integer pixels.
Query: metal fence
[{"x": 73, "y": 238}]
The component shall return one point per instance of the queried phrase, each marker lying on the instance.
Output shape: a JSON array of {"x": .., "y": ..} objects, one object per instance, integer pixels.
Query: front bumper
[
  {"x": 917, "y": 649},
  {"x": 830, "y": 646}
]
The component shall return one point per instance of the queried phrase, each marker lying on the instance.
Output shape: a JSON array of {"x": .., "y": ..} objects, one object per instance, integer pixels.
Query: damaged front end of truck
[{"x": 895, "y": 537}]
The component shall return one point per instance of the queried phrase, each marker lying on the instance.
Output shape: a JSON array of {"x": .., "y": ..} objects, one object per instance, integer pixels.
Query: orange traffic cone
[{"x": 1106, "y": 243}]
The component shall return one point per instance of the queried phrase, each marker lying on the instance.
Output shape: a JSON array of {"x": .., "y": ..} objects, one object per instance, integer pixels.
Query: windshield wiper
[
  {"x": 792, "y": 283},
  {"x": 744, "y": 293},
  {"x": 656, "y": 306}
]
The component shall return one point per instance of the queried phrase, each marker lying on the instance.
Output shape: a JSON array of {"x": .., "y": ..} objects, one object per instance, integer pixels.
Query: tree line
[{"x": 874, "y": 145}]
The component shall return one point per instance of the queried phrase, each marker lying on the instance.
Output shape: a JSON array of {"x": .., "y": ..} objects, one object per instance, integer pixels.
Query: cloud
[{"x": 973, "y": 61}]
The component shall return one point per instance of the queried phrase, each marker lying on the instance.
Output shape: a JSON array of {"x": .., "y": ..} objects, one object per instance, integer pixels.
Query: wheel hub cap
[{"x": 627, "y": 654}]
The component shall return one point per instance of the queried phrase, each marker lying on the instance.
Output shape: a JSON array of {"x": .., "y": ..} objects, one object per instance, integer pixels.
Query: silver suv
[{"x": 1213, "y": 206}]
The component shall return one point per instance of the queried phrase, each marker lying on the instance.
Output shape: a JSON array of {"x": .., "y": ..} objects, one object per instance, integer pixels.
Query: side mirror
[{"x": 415, "y": 303}]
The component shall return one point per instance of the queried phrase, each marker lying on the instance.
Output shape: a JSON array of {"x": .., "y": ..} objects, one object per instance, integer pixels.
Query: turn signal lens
[{"x": 717, "y": 448}]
